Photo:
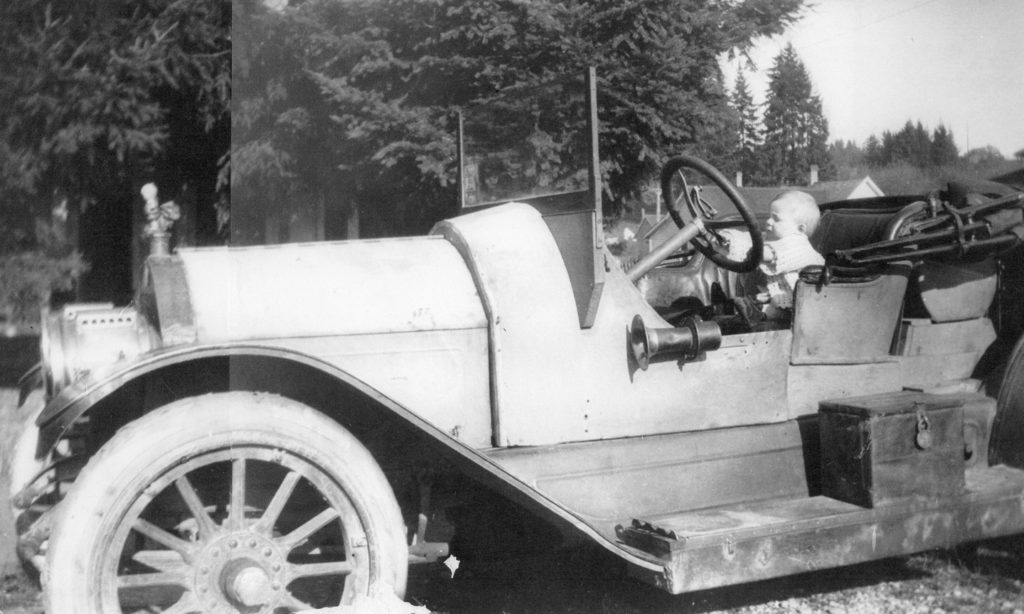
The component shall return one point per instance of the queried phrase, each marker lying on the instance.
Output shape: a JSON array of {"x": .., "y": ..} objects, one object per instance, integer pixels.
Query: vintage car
[{"x": 277, "y": 428}]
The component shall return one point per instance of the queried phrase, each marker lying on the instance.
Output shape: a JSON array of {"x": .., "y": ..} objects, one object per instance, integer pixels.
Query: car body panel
[
  {"x": 556, "y": 382},
  {"x": 411, "y": 325},
  {"x": 442, "y": 376},
  {"x": 308, "y": 290}
]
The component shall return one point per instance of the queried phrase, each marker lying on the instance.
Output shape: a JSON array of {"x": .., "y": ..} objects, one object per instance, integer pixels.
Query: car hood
[{"x": 315, "y": 289}]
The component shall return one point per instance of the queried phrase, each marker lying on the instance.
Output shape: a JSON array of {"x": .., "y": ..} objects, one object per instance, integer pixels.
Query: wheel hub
[
  {"x": 249, "y": 585},
  {"x": 240, "y": 569}
]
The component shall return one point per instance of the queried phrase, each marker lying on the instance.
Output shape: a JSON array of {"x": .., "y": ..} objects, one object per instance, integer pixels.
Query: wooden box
[{"x": 882, "y": 447}]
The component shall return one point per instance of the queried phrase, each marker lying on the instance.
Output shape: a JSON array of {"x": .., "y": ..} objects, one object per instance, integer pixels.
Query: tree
[
  {"x": 391, "y": 73},
  {"x": 873, "y": 152},
  {"x": 944, "y": 151},
  {"x": 91, "y": 89},
  {"x": 987, "y": 156},
  {"x": 847, "y": 158},
  {"x": 749, "y": 128},
  {"x": 913, "y": 146},
  {"x": 796, "y": 131},
  {"x": 97, "y": 97}
]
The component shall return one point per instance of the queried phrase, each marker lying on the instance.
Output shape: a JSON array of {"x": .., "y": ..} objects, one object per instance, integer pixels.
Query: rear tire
[
  {"x": 1008, "y": 428},
  {"x": 226, "y": 502}
]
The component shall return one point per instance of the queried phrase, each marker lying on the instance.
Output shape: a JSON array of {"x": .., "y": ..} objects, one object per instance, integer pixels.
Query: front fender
[
  {"x": 442, "y": 376},
  {"x": 76, "y": 400}
]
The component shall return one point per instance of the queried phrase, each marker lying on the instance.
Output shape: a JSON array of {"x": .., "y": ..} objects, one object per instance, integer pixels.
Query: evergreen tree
[
  {"x": 943, "y": 151},
  {"x": 748, "y": 129},
  {"x": 796, "y": 131},
  {"x": 389, "y": 74},
  {"x": 889, "y": 154},
  {"x": 98, "y": 97},
  {"x": 847, "y": 158},
  {"x": 921, "y": 145},
  {"x": 873, "y": 153},
  {"x": 95, "y": 92}
]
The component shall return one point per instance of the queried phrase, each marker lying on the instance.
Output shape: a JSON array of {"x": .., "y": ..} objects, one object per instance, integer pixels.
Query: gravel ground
[{"x": 989, "y": 578}]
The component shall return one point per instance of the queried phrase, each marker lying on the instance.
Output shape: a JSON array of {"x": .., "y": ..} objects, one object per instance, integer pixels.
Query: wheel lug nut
[
  {"x": 233, "y": 543},
  {"x": 276, "y": 586},
  {"x": 267, "y": 552},
  {"x": 252, "y": 543},
  {"x": 276, "y": 567},
  {"x": 204, "y": 569}
]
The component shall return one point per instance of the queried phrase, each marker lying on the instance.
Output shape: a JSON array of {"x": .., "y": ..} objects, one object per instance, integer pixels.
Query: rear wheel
[
  {"x": 232, "y": 502},
  {"x": 1008, "y": 428}
]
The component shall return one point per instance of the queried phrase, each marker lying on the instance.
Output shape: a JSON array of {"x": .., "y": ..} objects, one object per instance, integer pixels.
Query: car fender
[{"x": 76, "y": 400}]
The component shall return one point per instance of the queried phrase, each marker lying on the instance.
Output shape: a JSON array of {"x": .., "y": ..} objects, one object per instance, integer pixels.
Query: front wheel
[{"x": 233, "y": 502}]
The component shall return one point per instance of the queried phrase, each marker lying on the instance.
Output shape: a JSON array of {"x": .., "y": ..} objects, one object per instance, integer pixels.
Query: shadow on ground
[
  {"x": 575, "y": 583},
  {"x": 591, "y": 583}
]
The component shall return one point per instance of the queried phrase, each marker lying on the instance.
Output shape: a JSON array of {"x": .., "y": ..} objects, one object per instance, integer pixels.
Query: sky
[{"x": 877, "y": 63}]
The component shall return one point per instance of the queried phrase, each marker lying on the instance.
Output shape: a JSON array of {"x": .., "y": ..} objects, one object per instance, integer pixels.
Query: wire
[{"x": 868, "y": 25}]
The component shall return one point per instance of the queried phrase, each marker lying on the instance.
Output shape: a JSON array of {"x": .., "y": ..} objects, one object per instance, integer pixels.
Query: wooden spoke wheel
[{"x": 226, "y": 503}]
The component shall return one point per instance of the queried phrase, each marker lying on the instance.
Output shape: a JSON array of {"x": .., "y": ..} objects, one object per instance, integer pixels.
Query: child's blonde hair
[{"x": 804, "y": 208}]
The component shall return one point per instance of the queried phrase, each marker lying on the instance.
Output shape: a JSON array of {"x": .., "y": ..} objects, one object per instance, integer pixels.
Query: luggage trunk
[{"x": 880, "y": 448}]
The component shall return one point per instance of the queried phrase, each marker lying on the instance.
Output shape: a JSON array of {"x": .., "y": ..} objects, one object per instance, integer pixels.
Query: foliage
[
  {"x": 912, "y": 145},
  {"x": 29, "y": 277},
  {"x": 796, "y": 131},
  {"x": 984, "y": 156},
  {"x": 942, "y": 149},
  {"x": 95, "y": 93},
  {"x": 389, "y": 74},
  {"x": 749, "y": 128},
  {"x": 86, "y": 87},
  {"x": 907, "y": 178},
  {"x": 846, "y": 155}
]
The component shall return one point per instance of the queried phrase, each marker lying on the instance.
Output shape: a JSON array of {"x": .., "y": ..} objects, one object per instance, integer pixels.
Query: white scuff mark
[{"x": 452, "y": 564}]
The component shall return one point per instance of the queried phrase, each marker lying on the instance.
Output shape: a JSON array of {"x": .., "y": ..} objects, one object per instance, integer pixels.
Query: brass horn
[{"x": 651, "y": 345}]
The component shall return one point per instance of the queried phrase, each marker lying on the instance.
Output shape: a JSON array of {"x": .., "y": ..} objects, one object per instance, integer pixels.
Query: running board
[{"x": 767, "y": 539}]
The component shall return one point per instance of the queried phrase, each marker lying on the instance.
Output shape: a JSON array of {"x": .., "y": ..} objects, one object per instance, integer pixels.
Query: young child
[{"x": 793, "y": 217}]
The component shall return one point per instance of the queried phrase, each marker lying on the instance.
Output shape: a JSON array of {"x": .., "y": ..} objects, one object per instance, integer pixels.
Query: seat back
[
  {"x": 848, "y": 322},
  {"x": 846, "y": 228}
]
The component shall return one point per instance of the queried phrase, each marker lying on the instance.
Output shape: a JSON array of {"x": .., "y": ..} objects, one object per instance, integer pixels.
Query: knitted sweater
[{"x": 783, "y": 260}]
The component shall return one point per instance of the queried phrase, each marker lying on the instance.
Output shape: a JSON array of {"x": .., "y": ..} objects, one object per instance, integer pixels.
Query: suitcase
[{"x": 880, "y": 448}]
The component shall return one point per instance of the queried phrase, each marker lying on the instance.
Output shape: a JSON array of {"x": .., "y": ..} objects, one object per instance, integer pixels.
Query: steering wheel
[{"x": 709, "y": 242}]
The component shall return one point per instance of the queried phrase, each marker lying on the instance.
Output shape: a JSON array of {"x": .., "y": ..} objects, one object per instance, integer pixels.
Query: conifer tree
[
  {"x": 873, "y": 151},
  {"x": 389, "y": 74},
  {"x": 943, "y": 149},
  {"x": 748, "y": 129},
  {"x": 796, "y": 131}
]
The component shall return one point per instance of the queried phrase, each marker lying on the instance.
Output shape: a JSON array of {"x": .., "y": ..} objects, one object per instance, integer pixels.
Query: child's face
[{"x": 783, "y": 221}]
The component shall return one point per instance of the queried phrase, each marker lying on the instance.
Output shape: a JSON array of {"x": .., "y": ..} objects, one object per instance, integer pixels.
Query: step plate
[{"x": 755, "y": 541}]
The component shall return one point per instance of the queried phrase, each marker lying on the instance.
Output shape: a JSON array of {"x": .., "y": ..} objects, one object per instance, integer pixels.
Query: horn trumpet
[{"x": 688, "y": 341}]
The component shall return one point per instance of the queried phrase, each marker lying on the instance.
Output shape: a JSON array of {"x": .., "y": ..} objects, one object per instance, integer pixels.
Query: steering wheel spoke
[{"x": 709, "y": 241}]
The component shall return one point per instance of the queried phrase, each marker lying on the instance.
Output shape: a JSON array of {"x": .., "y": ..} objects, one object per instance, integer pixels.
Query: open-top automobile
[{"x": 278, "y": 428}]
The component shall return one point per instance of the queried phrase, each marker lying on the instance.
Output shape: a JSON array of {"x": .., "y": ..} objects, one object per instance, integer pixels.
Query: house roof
[
  {"x": 849, "y": 188},
  {"x": 1014, "y": 178},
  {"x": 760, "y": 198}
]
